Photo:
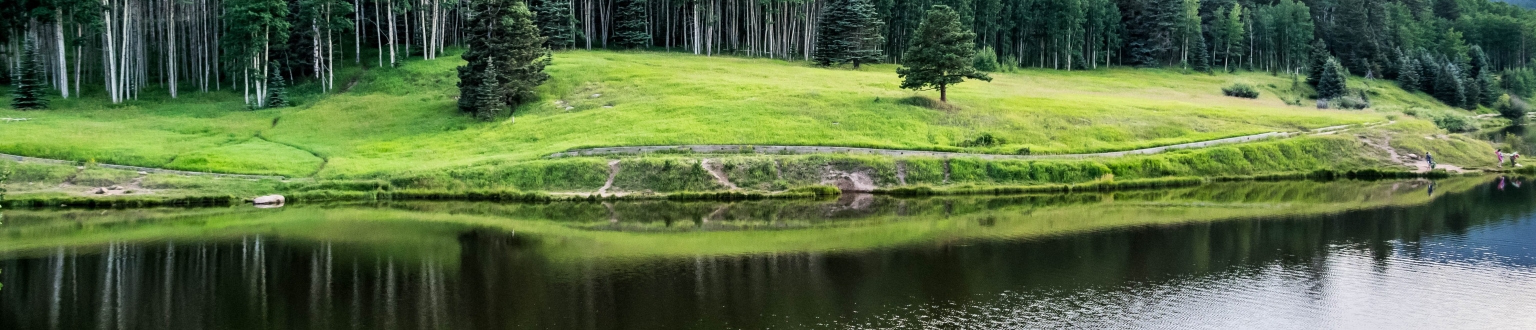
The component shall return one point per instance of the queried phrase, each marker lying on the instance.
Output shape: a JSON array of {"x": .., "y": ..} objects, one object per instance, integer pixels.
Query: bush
[
  {"x": 1454, "y": 123},
  {"x": 1241, "y": 90},
  {"x": 1513, "y": 108},
  {"x": 984, "y": 140},
  {"x": 986, "y": 60},
  {"x": 1350, "y": 102}
]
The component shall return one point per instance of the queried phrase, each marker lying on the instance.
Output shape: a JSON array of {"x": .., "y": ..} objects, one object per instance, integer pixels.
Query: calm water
[{"x": 1291, "y": 255}]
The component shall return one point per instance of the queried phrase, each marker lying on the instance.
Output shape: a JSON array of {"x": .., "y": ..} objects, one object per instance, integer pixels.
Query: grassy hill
[{"x": 396, "y": 120}]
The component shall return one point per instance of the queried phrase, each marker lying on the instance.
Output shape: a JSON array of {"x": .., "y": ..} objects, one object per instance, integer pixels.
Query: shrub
[
  {"x": 984, "y": 140},
  {"x": 1513, "y": 108},
  {"x": 986, "y": 60},
  {"x": 1241, "y": 90},
  {"x": 1350, "y": 102},
  {"x": 1454, "y": 123}
]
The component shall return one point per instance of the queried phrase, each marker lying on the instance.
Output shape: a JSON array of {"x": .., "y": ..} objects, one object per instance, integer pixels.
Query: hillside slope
[{"x": 404, "y": 119}]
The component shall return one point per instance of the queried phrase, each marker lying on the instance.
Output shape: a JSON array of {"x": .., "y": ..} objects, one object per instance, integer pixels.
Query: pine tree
[
  {"x": 1408, "y": 75},
  {"x": 1479, "y": 61},
  {"x": 1448, "y": 86},
  {"x": 630, "y": 32},
  {"x": 501, "y": 31},
  {"x": 1429, "y": 71},
  {"x": 487, "y": 105},
  {"x": 1201, "y": 59},
  {"x": 521, "y": 68},
  {"x": 1489, "y": 88},
  {"x": 1319, "y": 64},
  {"x": 1331, "y": 82},
  {"x": 940, "y": 55},
  {"x": 848, "y": 31},
  {"x": 29, "y": 83},
  {"x": 556, "y": 23},
  {"x": 277, "y": 91}
]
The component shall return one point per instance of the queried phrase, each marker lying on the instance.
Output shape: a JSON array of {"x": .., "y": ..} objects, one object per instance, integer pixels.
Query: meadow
[{"x": 404, "y": 121}]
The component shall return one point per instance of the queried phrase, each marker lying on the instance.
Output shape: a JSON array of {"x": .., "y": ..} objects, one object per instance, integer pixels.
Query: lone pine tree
[
  {"x": 940, "y": 55},
  {"x": 27, "y": 93},
  {"x": 848, "y": 32},
  {"x": 631, "y": 29},
  {"x": 1331, "y": 83}
]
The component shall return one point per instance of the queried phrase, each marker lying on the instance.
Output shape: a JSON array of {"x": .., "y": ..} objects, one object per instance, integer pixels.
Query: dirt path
[
  {"x": 1419, "y": 166},
  {"x": 613, "y": 171},
  {"x": 715, "y": 170}
]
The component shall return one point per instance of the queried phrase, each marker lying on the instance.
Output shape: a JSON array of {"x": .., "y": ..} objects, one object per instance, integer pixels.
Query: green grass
[{"x": 404, "y": 120}]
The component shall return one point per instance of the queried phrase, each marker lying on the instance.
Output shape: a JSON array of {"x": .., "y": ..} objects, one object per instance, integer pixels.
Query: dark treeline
[{"x": 122, "y": 47}]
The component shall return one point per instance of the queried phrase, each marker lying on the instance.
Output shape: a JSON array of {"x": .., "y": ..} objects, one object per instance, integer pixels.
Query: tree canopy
[{"x": 940, "y": 55}]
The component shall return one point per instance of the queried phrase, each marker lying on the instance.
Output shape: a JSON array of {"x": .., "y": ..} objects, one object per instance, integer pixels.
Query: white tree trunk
[
  {"x": 58, "y": 34},
  {"x": 391, "y": 12}
]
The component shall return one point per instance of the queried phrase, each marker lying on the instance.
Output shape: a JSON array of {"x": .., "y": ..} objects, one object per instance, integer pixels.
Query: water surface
[{"x": 1454, "y": 253}]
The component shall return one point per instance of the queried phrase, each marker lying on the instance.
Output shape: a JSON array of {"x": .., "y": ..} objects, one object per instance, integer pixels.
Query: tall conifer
[
  {"x": 630, "y": 32},
  {"x": 28, "y": 83},
  {"x": 848, "y": 32},
  {"x": 940, "y": 55}
]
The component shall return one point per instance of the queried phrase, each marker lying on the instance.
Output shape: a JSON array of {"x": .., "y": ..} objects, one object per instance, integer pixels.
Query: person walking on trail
[
  {"x": 1429, "y": 158},
  {"x": 1514, "y": 158},
  {"x": 1500, "y": 155}
]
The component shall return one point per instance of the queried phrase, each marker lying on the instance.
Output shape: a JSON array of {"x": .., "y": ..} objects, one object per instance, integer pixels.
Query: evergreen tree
[
  {"x": 848, "y": 32},
  {"x": 556, "y": 23},
  {"x": 521, "y": 68},
  {"x": 277, "y": 89},
  {"x": 940, "y": 55},
  {"x": 1319, "y": 64},
  {"x": 1478, "y": 63},
  {"x": 1429, "y": 70},
  {"x": 1331, "y": 82},
  {"x": 1489, "y": 87},
  {"x": 501, "y": 31},
  {"x": 1448, "y": 86},
  {"x": 28, "y": 84},
  {"x": 1201, "y": 59},
  {"x": 1408, "y": 76},
  {"x": 630, "y": 32},
  {"x": 487, "y": 106}
]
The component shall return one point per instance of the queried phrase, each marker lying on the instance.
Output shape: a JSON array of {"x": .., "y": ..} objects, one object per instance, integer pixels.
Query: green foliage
[
  {"x": 277, "y": 89},
  {"x": 1449, "y": 87},
  {"x": 1331, "y": 83},
  {"x": 1519, "y": 81},
  {"x": 1454, "y": 123},
  {"x": 501, "y": 32},
  {"x": 556, "y": 23},
  {"x": 1408, "y": 75},
  {"x": 986, "y": 60},
  {"x": 848, "y": 31},
  {"x": 28, "y": 83},
  {"x": 941, "y": 54},
  {"x": 1242, "y": 90},
  {"x": 630, "y": 26},
  {"x": 1351, "y": 102},
  {"x": 1513, "y": 108},
  {"x": 1202, "y": 57},
  {"x": 1319, "y": 63}
]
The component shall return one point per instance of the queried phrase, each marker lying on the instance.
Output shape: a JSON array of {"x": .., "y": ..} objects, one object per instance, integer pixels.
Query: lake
[{"x": 1451, "y": 253}]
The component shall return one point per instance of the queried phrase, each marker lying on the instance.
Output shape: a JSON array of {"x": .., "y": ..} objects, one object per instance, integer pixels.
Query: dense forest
[{"x": 119, "y": 49}]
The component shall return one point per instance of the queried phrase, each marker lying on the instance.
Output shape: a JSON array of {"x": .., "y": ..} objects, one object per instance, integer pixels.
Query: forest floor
[{"x": 396, "y": 120}]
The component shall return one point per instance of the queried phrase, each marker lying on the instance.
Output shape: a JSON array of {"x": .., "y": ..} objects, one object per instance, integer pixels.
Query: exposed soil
[
  {"x": 718, "y": 172},
  {"x": 613, "y": 171}
]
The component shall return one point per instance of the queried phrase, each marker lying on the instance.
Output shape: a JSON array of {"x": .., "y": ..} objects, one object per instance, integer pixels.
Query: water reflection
[{"x": 1460, "y": 260}]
